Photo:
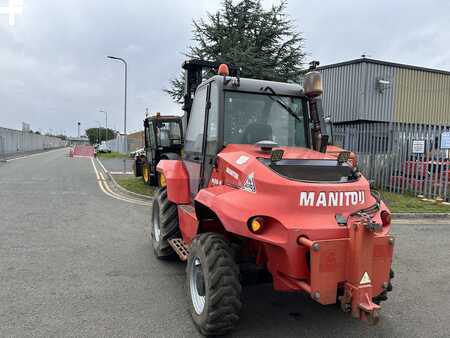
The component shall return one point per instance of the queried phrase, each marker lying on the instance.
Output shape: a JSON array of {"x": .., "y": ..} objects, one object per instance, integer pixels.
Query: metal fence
[
  {"x": 119, "y": 144},
  {"x": 16, "y": 141},
  {"x": 123, "y": 145},
  {"x": 400, "y": 157}
]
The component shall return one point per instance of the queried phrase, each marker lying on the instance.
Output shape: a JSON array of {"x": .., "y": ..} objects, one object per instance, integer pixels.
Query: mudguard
[
  {"x": 224, "y": 201},
  {"x": 177, "y": 180}
]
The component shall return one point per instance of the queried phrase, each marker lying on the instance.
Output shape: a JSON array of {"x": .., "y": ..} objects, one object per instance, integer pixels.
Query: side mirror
[
  {"x": 312, "y": 84},
  {"x": 329, "y": 129}
]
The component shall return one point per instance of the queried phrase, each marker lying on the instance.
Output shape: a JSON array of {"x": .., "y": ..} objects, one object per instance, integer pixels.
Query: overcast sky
[{"x": 54, "y": 71}]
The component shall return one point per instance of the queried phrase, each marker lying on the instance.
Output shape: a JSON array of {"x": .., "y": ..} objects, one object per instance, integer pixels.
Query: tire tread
[
  {"x": 168, "y": 222},
  {"x": 224, "y": 301}
]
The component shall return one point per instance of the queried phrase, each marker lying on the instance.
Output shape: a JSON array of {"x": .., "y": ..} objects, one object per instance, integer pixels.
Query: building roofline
[{"x": 384, "y": 63}]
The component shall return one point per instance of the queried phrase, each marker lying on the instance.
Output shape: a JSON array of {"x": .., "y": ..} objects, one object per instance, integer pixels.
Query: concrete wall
[{"x": 15, "y": 141}]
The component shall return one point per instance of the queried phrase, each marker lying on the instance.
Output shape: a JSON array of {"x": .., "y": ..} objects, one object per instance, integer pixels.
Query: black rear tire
[
  {"x": 164, "y": 225},
  {"x": 212, "y": 279}
]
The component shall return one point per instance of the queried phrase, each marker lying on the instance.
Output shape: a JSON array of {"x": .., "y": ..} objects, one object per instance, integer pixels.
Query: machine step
[{"x": 179, "y": 246}]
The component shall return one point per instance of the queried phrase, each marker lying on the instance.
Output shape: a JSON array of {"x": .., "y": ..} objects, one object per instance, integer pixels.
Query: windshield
[
  {"x": 250, "y": 118},
  {"x": 168, "y": 133}
]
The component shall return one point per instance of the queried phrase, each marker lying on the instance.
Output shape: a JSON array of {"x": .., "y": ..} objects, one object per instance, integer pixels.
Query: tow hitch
[
  {"x": 360, "y": 264},
  {"x": 358, "y": 291}
]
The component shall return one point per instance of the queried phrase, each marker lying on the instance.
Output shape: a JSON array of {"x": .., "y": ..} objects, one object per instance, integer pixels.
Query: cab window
[
  {"x": 150, "y": 136},
  {"x": 194, "y": 134},
  {"x": 250, "y": 118},
  {"x": 213, "y": 120}
]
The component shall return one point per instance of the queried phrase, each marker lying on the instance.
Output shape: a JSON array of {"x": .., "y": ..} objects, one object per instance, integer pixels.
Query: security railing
[{"x": 400, "y": 157}]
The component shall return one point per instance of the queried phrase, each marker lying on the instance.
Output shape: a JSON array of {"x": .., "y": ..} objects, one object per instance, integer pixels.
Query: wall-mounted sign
[
  {"x": 418, "y": 147},
  {"x": 445, "y": 140}
]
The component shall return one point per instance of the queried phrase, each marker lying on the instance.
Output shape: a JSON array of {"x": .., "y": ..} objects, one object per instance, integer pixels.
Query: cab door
[
  {"x": 193, "y": 157},
  {"x": 150, "y": 144},
  {"x": 212, "y": 134}
]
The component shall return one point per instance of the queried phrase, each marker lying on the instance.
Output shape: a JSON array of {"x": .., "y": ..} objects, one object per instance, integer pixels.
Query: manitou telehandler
[
  {"x": 163, "y": 140},
  {"x": 260, "y": 192}
]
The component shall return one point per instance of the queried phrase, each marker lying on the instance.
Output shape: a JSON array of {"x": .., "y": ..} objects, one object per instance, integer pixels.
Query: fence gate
[{"x": 400, "y": 157}]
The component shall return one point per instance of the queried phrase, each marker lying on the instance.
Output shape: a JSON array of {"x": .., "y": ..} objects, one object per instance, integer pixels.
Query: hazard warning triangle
[{"x": 365, "y": 279}]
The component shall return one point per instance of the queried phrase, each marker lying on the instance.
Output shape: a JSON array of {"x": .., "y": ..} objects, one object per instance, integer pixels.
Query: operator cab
[
  {"x": 163, "y": 139},
  {"x": 244, "y": 114},
  {"x": 247, "y": 114}
]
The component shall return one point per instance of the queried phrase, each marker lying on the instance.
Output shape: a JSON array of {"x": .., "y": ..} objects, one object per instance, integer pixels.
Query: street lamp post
[
  {"x": 106, "y": 124},
  {"x": 98, "y": 132},
  {"x": 125, "y": 99}
]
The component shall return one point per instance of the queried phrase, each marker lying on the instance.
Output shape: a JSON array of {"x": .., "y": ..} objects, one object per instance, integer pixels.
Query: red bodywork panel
[
  {"x": 177, "y": 181},
  {"x": 291, "y": 209},
  {"x": 187, "y": 217}
]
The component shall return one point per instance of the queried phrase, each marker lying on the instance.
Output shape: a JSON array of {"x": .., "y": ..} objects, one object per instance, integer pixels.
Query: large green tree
[
  {"x": 97, "y": 135},
  {"x": 263, "y": 42}
]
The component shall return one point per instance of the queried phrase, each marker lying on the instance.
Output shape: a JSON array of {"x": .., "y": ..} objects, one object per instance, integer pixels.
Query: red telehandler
[{"x": 260, "y": 192}]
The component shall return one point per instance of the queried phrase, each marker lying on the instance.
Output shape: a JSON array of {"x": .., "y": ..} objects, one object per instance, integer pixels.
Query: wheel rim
[
  {"x": 145, "y": 174},
  {"x": 156, "y": 226},
  {"x": 197, "y": 286}
]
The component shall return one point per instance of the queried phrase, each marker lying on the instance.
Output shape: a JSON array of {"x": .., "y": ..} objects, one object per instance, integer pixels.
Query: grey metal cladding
[
  {"x": 343, "y": 92},
  {"x": 378, "y": 102}
]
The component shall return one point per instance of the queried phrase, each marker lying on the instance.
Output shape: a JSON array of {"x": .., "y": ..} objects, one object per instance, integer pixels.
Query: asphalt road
[
  {"x": 75, "y": 262},
  {"x": 116, "y": 164}
]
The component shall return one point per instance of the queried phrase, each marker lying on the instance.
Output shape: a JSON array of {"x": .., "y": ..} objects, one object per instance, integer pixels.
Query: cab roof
[{"x": 258, "y": 86}]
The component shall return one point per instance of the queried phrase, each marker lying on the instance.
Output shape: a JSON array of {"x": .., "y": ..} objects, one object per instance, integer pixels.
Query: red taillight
[{"x": 386, "y": 218}]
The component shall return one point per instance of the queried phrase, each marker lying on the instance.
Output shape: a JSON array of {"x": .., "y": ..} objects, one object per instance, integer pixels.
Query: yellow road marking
[{"x": 107, "y": 190}]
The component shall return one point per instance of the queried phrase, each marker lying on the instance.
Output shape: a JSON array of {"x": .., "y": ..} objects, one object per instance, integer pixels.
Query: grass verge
[
  {"x": 135, "y": 184},
  {"x": 111, "y": 155},
  {"x": 409, "y": 203}
]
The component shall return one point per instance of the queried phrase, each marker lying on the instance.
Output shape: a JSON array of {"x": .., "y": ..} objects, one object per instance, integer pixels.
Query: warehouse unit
[{"x": 373, "y": 90}]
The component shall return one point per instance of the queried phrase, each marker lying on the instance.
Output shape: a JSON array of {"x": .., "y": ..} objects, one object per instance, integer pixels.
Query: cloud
[
  {"x": 54, "y": 71},
  {"x": 412, "y": 32}
]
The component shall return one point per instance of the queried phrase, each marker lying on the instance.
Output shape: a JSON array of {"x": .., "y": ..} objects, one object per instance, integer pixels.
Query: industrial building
[{"x": 372, "y": 90}]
